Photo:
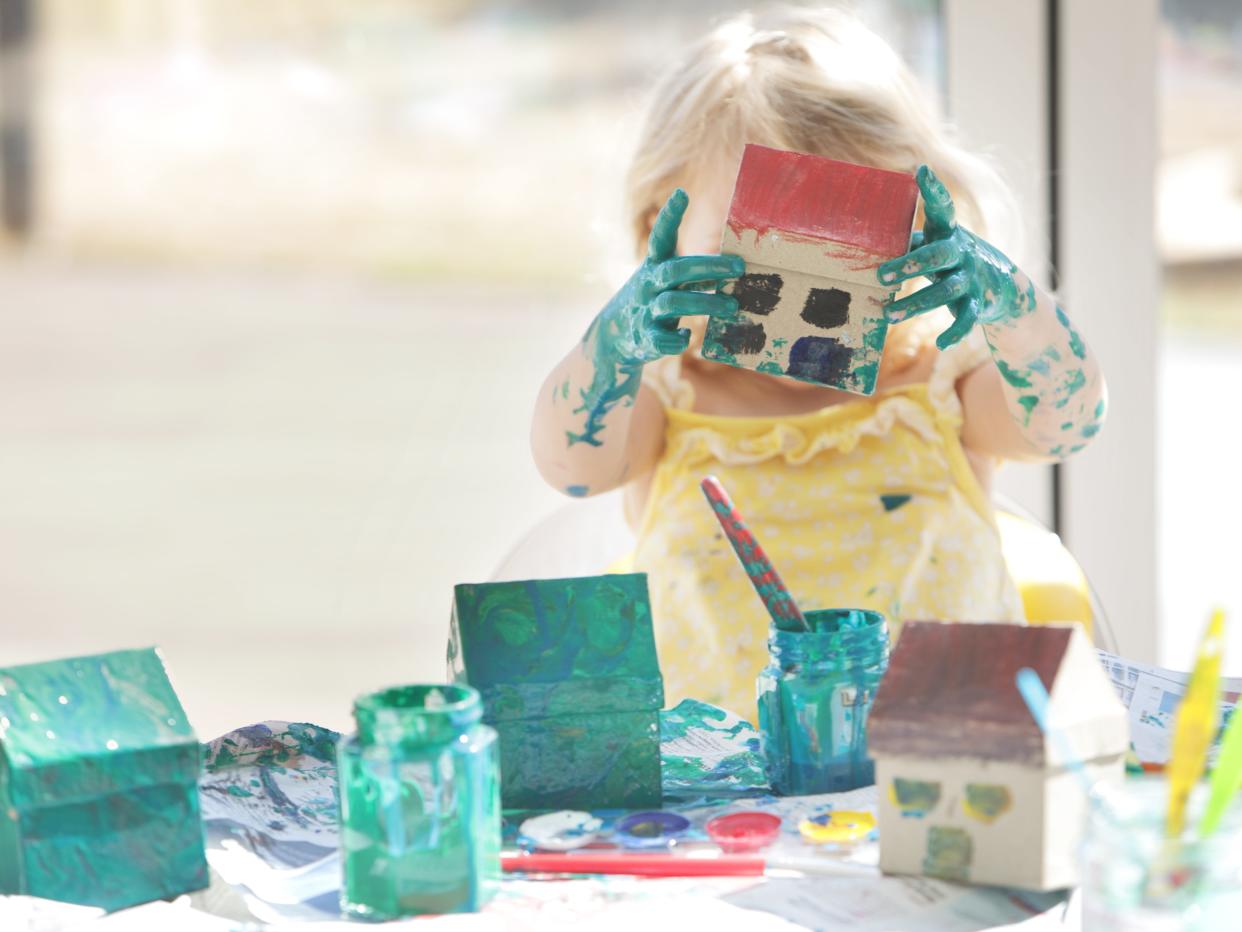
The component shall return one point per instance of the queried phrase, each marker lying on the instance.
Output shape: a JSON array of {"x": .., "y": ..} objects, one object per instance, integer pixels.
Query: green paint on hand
[
  {"x": 640, "y": 323},
  {"x": 1090, "y": 430},
  {"x": 577, "y": 491}
]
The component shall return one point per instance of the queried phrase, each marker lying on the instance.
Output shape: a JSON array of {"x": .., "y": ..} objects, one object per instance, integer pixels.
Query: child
[{"x": 874, "y": 502}]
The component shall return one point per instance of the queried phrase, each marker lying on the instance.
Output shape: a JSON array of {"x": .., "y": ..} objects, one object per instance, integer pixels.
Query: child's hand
[
  {"x": 970, "y": 276},
  {"x": 639, "y": 324}
]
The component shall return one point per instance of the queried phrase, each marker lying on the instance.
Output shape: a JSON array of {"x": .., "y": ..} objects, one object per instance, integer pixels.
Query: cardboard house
[
  {"x": 98, "y": 782},
  {"x": 812, "y": 231},
  {"x": 969, "y": 787},
  {"x": 568, "y": 674}
]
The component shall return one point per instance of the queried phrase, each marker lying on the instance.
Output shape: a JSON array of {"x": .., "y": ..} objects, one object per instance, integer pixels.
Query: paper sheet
[{"x": 1151, "y": 694}]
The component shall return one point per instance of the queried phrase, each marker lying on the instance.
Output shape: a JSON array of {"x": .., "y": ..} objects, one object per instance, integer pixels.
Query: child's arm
[
  {"x": 593, "y": 428},
  {"x": 1046, "y": 396}
]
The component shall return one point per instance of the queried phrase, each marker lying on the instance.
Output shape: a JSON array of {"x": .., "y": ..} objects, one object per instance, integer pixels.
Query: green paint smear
[
  {"x": 568, "y": 673},
  {"x": 771, "y": 368},
  {"x": 1091, "y": 430},
  {"x": 577, "y": 491},
  {"x": 893, "y": 502},
  {"x": 1073, "y": 384},
  {"x": 235, "y": 790},
  {"x": 1028, "y": 403},
  {"x": 1077, "y": 347},
  {"x": 1012, "y": 376}
]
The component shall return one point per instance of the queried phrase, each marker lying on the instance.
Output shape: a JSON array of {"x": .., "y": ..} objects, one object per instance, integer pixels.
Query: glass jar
[
  {"x": 814, "y": 696},
  {"x": 1134, "y": 879},
  {"x": 420, "y": 804}
]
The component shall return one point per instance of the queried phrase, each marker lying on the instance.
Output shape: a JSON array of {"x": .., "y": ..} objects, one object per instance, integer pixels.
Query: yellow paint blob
[{"x": 841, "y": 826}]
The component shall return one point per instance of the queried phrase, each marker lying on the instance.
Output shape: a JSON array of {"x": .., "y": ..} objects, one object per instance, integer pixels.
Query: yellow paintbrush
[{"x": 1196, "y": 725}]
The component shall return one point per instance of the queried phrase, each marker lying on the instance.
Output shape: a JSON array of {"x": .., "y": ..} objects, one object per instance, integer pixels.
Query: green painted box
[
  {"x": 568, "y": 673},
  {"x": 98, "y": 782}
]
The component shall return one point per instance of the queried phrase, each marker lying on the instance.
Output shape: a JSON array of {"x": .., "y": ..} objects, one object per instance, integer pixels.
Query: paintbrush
[
  {"x": 1196, "y": 724},
  {"x": 671, "y": 865},
  {"x": 763, "y": 576},
  {"x": 1036, "y": 698},
  {"x": 1227, "y": 777}
]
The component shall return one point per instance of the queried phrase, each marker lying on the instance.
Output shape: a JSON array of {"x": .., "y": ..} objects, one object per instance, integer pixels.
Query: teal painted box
[
  {"x": 98, "y": 782},
  {"x": 568, "y": 673}
]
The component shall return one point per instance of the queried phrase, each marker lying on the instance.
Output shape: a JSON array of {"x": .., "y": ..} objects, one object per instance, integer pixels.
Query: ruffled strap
[
  {"x": 958, "y": 360},
  {"x": 664, "y": 378},
  {"x": 798, "y": 440}
]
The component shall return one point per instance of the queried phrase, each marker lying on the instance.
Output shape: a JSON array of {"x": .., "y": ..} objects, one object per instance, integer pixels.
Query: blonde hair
[{"x": 814, "y": 81}]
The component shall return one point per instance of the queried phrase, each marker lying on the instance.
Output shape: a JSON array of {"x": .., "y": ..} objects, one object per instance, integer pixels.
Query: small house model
[
  {"x": 98, "y": 782},
  {"x": 568, "y": 674},
  {"x": 969, "y": 787},
  {"x": 812, "y": 232}
]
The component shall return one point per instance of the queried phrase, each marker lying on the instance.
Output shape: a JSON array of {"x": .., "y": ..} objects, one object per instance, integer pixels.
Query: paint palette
[
  {"x": 837, "y": 827},
  {"x": 654, "y": 829},
  {"x": 561, "y": 831},
  {"x": 813, "y": 232},
  {"x": 744, "y": 832}
]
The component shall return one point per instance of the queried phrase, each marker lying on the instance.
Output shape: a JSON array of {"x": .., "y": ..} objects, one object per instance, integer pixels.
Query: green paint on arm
[
  {"x": 1028, "y": 403},
  {"x": 1077, "y": 347},
  {"x": 1011, "y": 376}
]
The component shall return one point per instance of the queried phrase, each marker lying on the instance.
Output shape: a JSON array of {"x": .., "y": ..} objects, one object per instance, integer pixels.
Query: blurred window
[{"x": 1199, "y": 230}]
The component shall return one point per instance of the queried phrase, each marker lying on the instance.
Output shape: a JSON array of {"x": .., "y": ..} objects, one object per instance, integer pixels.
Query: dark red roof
[
  {"x": 949, "y": 691},
  {"x": 869, "y": 208}
]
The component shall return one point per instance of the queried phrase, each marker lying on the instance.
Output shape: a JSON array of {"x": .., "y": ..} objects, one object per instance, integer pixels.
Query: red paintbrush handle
[
  {"x": 763, "y": 576},
  {"x": 638, "y": 865}
]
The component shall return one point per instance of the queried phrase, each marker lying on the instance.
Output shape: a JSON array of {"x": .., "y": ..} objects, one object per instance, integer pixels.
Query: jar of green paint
[
  {"x": 420, "y": 804},
  {"x": 814, "y": 696}
]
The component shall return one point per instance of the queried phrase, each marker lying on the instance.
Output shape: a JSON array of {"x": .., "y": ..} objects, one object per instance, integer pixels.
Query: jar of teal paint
[
  {"x": 420, "y": 804},
  {"x": 814, "y": 697}
]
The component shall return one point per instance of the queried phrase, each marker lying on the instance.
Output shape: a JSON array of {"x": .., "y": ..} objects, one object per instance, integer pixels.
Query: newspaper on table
[{"x": 1151, "y": 695}]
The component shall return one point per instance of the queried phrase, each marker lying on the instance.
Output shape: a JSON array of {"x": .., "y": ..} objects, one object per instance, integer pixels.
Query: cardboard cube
[
  {"x": 969, "y": 787},
  {"x": 812, "y": 231},
  {"x": 568, "y": 674},
  {"x": 98, "y": 782}
]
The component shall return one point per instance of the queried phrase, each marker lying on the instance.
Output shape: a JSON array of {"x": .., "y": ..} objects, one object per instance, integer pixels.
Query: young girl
[{"x": 875, "y": 502}]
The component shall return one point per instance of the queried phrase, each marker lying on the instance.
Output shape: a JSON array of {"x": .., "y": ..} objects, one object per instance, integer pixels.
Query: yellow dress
[{"x": 866, "y": 504}]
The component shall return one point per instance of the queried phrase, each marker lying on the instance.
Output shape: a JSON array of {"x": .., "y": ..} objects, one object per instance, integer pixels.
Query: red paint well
[{"x": 808, "y": 195}]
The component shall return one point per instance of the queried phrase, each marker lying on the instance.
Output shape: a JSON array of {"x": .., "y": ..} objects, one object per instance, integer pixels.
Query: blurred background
[{"x": 279, "y": 282}]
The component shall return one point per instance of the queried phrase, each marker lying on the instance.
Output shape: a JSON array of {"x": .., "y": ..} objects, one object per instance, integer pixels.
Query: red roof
[
  {"x": 950, "y": 691},
  {"x": 869, "y": 208}
]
